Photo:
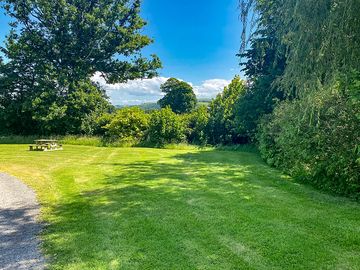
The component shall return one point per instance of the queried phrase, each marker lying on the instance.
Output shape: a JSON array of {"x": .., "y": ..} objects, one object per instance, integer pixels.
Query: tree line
[
  {"x": 303, "y": 61},
  {"x": 300, "y": 104}
]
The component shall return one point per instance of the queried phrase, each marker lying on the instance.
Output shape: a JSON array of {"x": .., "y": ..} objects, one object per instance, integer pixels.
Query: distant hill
[
  {"x": 150, "y": 106},
  {"x": 205, "y": 102}
]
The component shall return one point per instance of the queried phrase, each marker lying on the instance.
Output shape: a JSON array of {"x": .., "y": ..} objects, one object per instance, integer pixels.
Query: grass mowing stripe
[{"x": 138, "y": 208}]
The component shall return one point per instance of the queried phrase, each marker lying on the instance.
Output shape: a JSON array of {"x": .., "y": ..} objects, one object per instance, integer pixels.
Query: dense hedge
[{"x": 316, "y": 139}]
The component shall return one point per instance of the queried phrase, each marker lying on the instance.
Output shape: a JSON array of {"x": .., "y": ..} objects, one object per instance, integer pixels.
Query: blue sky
[{"x": 197, "y": 41}]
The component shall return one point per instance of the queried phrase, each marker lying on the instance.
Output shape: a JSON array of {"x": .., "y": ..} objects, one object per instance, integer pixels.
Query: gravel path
[{"x": 19, "y": 245}]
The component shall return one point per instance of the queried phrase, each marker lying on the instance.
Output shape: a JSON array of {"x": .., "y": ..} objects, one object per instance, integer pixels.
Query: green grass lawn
[{"x": 133, "y": 208}]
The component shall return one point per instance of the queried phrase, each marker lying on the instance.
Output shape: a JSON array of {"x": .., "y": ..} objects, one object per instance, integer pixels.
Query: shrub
[
  {"x": 166, "y": 127},
  {"x": 99, "y": 126},
  {"x": 197, "y": 122},
  {"x": 316, "y": 139},
  {"x": 128, "y": 124}
]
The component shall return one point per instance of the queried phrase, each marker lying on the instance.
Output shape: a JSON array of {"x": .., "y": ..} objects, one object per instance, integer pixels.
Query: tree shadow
[{"x": 157, "y": 213}]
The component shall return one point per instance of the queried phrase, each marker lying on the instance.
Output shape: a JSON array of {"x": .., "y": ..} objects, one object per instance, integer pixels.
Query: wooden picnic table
[{"x": 45, "y": 145}]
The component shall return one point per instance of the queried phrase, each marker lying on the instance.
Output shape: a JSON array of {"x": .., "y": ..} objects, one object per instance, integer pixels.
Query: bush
[
  {"x": 166, "y": 127},
  {"x": 197, "y": 122},
  {"x": 99, "y": 126},
  {"x": 316, "y": 139},
  {"x": 128, "y": 124}
]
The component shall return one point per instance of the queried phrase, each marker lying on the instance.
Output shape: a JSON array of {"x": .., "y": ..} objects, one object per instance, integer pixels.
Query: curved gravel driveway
[{"x": 19, "y": 245}]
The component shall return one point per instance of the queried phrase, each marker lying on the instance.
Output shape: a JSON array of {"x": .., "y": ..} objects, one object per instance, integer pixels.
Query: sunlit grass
[{"x": 138, "y": 208}]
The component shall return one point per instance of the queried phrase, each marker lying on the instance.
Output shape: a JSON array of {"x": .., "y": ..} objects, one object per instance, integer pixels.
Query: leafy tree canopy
[
  {"x": 79, "y": 38},
  {"x": 320, "y": 38},
  {"x": 179, "y": 96},
  {"x": 53, "y": 50}
]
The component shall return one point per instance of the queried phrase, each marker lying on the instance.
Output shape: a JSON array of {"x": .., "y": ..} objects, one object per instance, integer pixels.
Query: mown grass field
[{"x": 133, "y": 208}]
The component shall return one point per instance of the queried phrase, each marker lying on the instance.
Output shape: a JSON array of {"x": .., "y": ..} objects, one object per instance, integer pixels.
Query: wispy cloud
[{"x": 148, "y": 90}]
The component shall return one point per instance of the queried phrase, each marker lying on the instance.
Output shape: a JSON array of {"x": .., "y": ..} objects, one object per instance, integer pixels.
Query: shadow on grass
[{"x": 176, "y": 213}]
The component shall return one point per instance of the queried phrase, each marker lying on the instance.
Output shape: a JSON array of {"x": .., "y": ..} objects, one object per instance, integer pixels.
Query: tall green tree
[
  {"x": 222, "y": 126},
  {"x": 264, "y": 62},
  {"x": 55, "y": 47},
  {"x": 315, "y": 135},
  {"x": 320, "y": 38},
  {"x": 179, "y": 96},
  {"x": 79, "y": 38}
]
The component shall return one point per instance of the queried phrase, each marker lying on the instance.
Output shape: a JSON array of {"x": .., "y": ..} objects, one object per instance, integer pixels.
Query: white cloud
[
  {"x": 148, "y": 90},
  {"x": 210, "y": 88},
  {"x": 133, "y": 92}
]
